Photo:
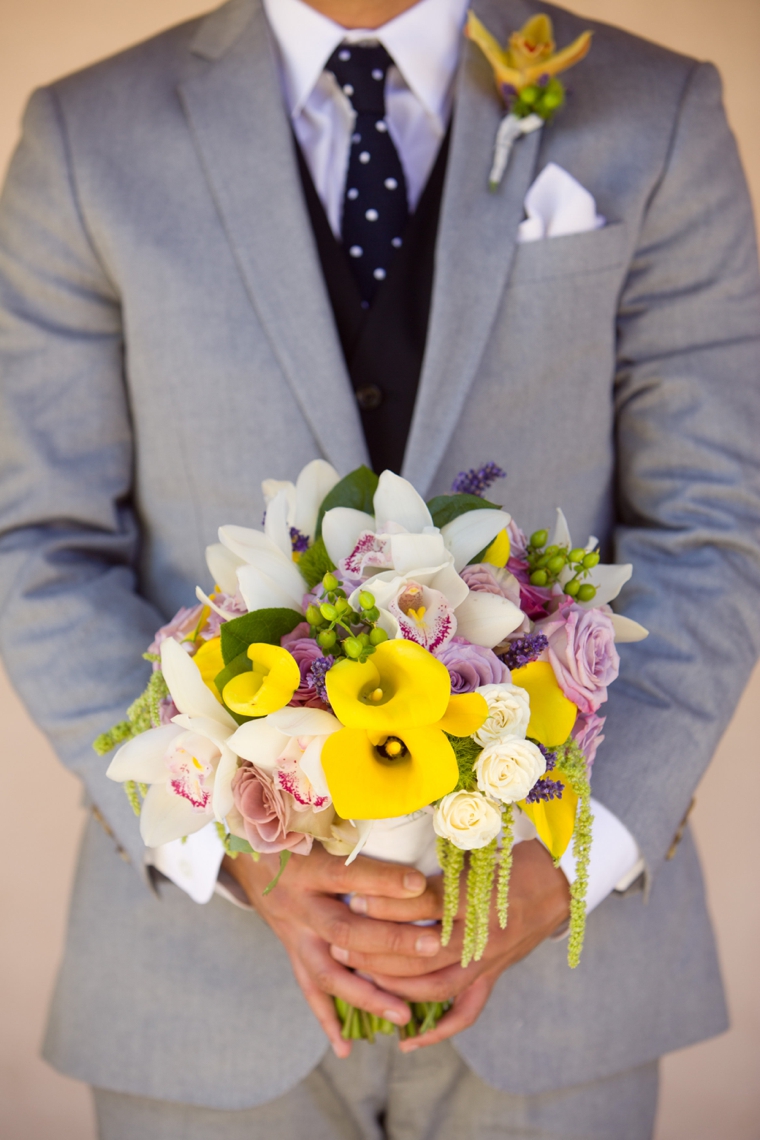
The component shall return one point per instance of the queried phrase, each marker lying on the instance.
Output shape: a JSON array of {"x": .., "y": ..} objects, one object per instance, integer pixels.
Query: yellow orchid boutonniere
[{"x": 526, "y": 77}]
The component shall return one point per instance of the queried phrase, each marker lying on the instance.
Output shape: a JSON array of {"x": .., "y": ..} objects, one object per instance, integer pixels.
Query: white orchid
[
  {"x": 289, "y": 743},
  {"x": 261, "y": 564},
  {"x": 400, "y": 549},
  {"x": 187, "y": 764},
  {"x": 608, "y": 581}
]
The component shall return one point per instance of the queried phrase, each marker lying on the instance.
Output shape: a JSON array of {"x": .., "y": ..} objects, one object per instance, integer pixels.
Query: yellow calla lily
[
  {"x": 467, "y": 712},
  {"x": 530, "y": 54},
  {"x": 378, "y": 775},
  {"x": 210, "y": 663},
  {"x": 552, "y": 715},
  {"x": 554, "y": 820},
  {"x": 270, "y": 684},
  {"x": 401, "y": 686},
  {"x": 498, "y": 552}
]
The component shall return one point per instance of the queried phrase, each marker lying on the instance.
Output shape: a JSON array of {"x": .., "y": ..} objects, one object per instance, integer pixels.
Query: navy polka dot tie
[{"x": 375, "y": 208}]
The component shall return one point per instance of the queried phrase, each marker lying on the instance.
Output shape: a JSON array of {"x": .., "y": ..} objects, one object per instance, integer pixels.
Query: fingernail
[
  {"x": 414, "y": 881},
  {"x": 339, "y": 954},
  {"x": 408, "y": 1046},
  {"x": 358, "y": 904},
  {"x": 395, "y": 1017},
  {"x": 427, "y": 944}
]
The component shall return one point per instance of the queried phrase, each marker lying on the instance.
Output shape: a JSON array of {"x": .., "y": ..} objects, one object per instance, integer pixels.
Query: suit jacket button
[{"x": 369, "y": 397}]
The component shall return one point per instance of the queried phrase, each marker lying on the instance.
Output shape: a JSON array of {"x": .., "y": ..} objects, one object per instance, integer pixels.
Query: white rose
[
  {"x": 508, "y": 768},
  {"x": 508, "y": 713},
  {"x": 468, "y": 819}
]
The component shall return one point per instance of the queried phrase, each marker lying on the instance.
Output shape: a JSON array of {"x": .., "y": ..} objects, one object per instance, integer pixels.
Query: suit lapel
[
  {"x": 240, "y": 128},
  {"x": 476, "y": 242}
]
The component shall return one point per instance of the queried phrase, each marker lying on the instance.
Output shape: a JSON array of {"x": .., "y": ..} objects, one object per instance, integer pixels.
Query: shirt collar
[{"x": 424, "y": 42}]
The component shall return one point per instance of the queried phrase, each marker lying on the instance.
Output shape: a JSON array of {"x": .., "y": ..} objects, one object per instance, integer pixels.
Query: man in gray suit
[{"x": 169, "y": 338}]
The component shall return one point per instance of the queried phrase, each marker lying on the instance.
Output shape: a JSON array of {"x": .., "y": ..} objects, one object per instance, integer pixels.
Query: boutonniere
[{"x": 526, "y": 78}]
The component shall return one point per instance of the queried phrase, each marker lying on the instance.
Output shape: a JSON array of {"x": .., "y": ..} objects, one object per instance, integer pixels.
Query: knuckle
[
  {"x": 323, "y": 979},
  {"x": 339, "y": 932}
]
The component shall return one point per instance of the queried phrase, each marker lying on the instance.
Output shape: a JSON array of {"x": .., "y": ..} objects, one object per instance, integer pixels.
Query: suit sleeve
[
  {"x": 688, "y": 479},
  {"x": 72, "y": 625}
]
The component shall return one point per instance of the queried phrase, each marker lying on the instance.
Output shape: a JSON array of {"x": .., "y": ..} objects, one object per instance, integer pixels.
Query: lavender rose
[
  {"x": 471, "y": 666},
  {"x": 587, "y": 734},
  {"x": 267, "y": 818},
  {"x": 582, "y": 653},
  {"x": 305, "y": 651}
]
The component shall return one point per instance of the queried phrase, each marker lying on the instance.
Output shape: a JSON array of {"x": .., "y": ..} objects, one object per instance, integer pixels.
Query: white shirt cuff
[
  {"x": 193, "y": 865},
  {"x": 615, "y": 860}
]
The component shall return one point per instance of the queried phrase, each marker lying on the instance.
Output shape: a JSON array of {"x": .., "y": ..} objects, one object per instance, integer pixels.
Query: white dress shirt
[{"x": 424, "y": 43}]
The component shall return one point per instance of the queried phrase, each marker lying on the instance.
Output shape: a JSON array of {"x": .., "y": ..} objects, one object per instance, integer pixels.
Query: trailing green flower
[
  {"x": 142, "y": 714},
  {"x": 451, "y": 860},
  {"x": 505, "y": 864},
  {"x": 466, "y": 751},
  {"x": 572, "y": 762},
  {"x": 314, "y": 563},
  {"x": 479, "y": 887}
]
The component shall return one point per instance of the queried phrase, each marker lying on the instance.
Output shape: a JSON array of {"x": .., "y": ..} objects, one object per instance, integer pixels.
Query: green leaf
[
  {"x": 446, "y": 508},
  {"x": 466, "y": 751},
  {"x": 284, "y": 859},
  {"x": 262, "y": 625},
  {"x": 235, "y": 843},
  {"x": 357, "y": 490},
  {"x": 314, "y": 563}
]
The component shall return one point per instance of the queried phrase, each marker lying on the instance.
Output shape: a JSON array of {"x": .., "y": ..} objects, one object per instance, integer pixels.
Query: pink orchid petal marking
[
  {"x": 425, "y": 616},
  {"x": 191, "y": 765}
]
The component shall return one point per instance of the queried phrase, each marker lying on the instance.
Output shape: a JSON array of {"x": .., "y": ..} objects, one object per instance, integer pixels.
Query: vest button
[{"x": 369, "y": 397}]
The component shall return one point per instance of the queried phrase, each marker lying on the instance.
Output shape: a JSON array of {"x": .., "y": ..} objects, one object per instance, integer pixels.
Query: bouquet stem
[{"x": 358, "y": 1025}]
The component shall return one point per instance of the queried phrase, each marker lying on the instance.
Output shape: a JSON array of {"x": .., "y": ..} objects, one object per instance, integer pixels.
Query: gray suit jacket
[{"x": 166, "y": 342}]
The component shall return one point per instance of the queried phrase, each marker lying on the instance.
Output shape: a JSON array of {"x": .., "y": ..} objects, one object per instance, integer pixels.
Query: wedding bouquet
[{"x": 378, "y": 674}]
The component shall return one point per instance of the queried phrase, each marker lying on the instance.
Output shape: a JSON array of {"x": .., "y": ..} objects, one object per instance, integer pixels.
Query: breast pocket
[{"x": 570, "y": 255}]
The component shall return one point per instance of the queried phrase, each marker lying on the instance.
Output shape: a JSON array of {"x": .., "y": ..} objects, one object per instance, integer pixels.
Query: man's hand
[
  {"x": 308, "y": 918},
  {"x": 539, "y": 901}
]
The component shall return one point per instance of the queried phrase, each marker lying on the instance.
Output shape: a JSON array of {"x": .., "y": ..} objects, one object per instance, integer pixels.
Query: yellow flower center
[{"x": 375, "y": 696}]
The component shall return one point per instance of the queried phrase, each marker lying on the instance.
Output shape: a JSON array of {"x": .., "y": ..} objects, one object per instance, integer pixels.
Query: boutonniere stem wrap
[{"x": 525, "y": 73}]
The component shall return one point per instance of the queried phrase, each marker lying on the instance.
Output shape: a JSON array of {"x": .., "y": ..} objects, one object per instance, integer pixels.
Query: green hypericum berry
[
  {"x": 371, "y": 615},
  {"x": 539, "y": 538},
  {"x": 313, "y": 616},
  {"x": 591, "y": 560},
  {"x": 366, "y": 600},
  {"x": 327, "y": 638},
  {"x": 330, "y": 583},
  {"x": 342, "y": 606},
  {"x": 328, "y": 611},
  {"x": 530, "y": 94},
  {"x": 539, "y": 578},
  {"x": 353, "y": 648},
  {"x": 577, "y": 554},
  {"x": 557, "y": 563},
  {"x": 552, "y": 99},
  {"x": 572, "y": 587},
  {"x": 377, "y": 636},
  {"x": 364, "y": 638},
  {"x": 587, "y": 592}
]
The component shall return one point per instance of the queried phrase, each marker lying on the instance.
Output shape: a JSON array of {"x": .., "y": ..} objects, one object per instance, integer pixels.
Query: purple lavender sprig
[
  {"x": 549, "y": 757},
  {"x": 477, "y": 482},
  {"x": 524, "y": 650},
  {"x": 544, "y": 789},
  {"x": 315, "y": 678},
  {"x": 299, "y": 542}
]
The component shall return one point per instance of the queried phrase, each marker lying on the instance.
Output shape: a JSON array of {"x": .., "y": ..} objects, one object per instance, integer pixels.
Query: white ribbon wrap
[{"x": 510, "y": 130}]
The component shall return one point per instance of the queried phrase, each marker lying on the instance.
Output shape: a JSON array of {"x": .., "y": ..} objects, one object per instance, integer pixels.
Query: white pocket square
[{"x": 557, "y": 204}]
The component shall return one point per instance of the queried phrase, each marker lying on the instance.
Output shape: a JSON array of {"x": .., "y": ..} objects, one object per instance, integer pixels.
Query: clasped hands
[{"x": 327, "y": 940}]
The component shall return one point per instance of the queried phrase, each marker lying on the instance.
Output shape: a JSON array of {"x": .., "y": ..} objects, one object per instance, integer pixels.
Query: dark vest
[{"x": 384, "y": 345}]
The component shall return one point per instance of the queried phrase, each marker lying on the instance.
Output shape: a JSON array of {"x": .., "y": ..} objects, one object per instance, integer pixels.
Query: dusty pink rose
[
  {"x": 305, "y": 651},
  {"x": 587, "y": 734},
  {"x": 485, "y": 579},
  {"x": 471, "y": 666},
  {"x": 582, "y": 653},
  {"x": 266, "y": 813},
  {"x": 185, "y": 622},
  {"x": 518, "y": 540}
]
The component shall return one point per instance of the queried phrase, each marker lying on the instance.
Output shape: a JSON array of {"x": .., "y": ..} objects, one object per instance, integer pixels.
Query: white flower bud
[
  {"x": 508, "y": 768},
  {"x": 508, "y": 713},
  {"x": 468, "y": 819}
]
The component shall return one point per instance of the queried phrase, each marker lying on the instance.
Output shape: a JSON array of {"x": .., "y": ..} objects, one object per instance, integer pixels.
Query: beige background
[{"x": 709, "y": 1091}]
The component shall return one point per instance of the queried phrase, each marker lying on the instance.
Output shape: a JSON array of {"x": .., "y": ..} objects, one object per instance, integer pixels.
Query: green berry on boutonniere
[{"x": 526, "y": 78}]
